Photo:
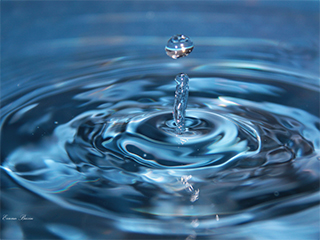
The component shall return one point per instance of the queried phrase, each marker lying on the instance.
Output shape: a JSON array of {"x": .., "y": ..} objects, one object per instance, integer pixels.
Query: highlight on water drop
[{"x": 179, "y": 46}]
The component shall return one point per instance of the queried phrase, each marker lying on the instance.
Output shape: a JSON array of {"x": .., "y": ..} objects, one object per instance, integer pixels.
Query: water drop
[
  {"x": 181, "y": 101},
  {"x": 179, "y": 46},
  {"x": 195, "y": 223},
  {"x": 195, "y": 196},
  {"x": 184, "y": 179}
]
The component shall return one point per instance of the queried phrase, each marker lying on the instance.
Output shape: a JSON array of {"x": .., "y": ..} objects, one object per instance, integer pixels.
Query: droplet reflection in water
[{"x": 179, "y": 46}]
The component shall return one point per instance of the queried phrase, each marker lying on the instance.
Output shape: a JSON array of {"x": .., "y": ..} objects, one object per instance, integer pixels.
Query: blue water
[{"x": 89, "y": 148}]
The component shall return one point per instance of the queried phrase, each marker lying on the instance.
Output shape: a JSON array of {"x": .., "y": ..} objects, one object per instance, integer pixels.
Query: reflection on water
[{"x": 89, "y": 149}]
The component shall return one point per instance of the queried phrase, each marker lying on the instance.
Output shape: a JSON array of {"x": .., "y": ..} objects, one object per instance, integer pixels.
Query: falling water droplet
[
  {"x": 179, "y": 46},
  {"x": 195, "y": 195},
  {"x": 181, "y": 101}
]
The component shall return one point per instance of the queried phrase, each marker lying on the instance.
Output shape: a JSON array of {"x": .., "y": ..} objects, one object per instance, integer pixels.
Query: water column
[{"x": 180, "y": 46}]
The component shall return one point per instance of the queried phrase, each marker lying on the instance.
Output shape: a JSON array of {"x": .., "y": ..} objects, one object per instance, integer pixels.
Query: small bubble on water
[
  {"x": 56, "y": 122},
  {"x": 179, "y": 46}
]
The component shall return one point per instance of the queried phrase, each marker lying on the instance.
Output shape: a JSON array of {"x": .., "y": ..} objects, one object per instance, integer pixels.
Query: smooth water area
[{"x": 90, "y": 149}]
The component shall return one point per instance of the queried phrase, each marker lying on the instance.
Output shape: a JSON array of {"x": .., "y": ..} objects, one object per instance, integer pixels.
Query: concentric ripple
[
  {"x": 151, "y": 140},
  {"x": 112, "y": 150}
]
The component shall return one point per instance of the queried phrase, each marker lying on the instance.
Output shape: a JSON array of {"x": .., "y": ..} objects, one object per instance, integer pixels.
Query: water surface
[{"x": 89, "y": 148}]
